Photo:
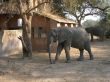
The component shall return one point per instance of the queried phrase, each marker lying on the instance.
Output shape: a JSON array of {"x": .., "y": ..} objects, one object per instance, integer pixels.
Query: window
[
  {"x": 19, "y": 22},
  {"x": 58, "y": 25},
  {"x": 66, "y": 25},
  {"x": 72, "y": 25},
  {"x": 38, "y": 32}
]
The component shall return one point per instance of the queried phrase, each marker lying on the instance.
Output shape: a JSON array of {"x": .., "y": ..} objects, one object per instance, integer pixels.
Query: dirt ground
[{"x": 38, "y": 69}]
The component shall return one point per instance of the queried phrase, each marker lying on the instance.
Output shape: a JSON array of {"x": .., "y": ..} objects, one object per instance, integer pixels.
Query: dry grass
[{"x": 38, "y": 69}]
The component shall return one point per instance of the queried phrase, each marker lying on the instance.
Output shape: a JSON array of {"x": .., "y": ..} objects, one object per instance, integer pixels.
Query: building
[{"x": 41, "y": 24}]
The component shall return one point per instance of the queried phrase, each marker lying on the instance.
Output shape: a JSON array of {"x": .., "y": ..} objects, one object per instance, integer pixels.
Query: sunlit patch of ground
[{"x": 38, "y": 69}]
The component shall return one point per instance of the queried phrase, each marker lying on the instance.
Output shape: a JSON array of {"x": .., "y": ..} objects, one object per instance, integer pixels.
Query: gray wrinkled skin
[
  {"x": 69, "y": 37},
  {"x": 97, "y": 31}
]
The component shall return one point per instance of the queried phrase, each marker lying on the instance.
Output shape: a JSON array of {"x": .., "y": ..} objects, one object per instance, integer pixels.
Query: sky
[{"x": 94, "y": 17}]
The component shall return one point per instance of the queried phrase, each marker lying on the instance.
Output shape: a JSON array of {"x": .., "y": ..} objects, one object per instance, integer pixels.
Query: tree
[
  {"x": 82, "y": 8},
  {"x": 26, "y": 28},
  {"x": 58, "y": 7},
  {"x": 26, "y": 15},
  {"x": 90, "y": 23}
]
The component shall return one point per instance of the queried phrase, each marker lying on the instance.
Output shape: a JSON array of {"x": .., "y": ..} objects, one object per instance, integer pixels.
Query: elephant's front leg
[
  {"x": 59, "y": 49},
  {"x": 67, "y": 51},
  {"x": 92, "y": 37}
]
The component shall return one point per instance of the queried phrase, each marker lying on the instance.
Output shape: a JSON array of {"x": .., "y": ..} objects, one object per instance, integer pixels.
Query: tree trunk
[
  {"x": 79, "y": 23},
  {"x": 27, "y": 36},
  {"x": 27, "y": 18}
]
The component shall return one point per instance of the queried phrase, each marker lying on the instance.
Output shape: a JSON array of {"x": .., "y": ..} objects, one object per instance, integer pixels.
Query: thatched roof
[
  {"x": 6, "y": 8},
  {"x": 10, "y": 7},
  {"x": 57, "y": 18}
]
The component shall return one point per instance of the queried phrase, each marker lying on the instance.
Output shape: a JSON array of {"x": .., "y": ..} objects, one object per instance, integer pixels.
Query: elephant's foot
[
  {"x": 80, "y": 59},
  {"x": 68, "y": 61},
  {"x": 91, "y": 58},
  {"x": 26, "y": 57},
  {"x": 52, "y": 62}
]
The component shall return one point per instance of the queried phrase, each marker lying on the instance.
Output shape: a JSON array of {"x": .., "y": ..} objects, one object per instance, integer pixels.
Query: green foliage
[
  {"x": 108, "y": 17},
  {"x": 74, "y": 5},
  {"x": 58, "y": 7}
]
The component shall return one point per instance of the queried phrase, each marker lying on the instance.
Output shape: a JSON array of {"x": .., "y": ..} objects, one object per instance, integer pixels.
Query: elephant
[
  {"x": 97, "y": 31},
  {"x": 68, "y": 37},
  {"x": 107, "y": 34}
]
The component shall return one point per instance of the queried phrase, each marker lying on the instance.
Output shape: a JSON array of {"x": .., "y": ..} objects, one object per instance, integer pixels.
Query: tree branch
[
  {"x": 96, "y": 7},
  {"x": 28, "y": 11},
  {"x": 20, "y": 6},
  {"x": 23, "y": 43}
]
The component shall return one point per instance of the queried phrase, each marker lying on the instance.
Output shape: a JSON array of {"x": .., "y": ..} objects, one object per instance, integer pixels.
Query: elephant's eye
[{"x": 54, "y": 36}]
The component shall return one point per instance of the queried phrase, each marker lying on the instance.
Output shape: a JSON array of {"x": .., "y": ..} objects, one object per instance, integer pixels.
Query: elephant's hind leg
[
  {"x": 90, "y": 54},
  {"x": 67, "y": 51},
  {"x": 88, "y": 48},
  {"x": 81, "y": 57}
]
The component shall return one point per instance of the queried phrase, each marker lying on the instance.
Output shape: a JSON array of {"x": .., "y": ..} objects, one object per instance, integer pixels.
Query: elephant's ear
[
  {"x": 54, "y": 33},
  {"x": 63, "y": 35}
]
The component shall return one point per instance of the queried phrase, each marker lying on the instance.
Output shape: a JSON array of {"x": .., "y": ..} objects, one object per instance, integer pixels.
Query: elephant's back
[
  {"x": 79, "y": 37},
  {"x": 80, "y": 33},
  {"x": 95, "y": 30}
]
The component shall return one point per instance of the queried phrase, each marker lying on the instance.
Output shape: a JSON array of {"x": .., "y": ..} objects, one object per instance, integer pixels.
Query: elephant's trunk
[
  {"x": 49, "y": 51},
  {"x": 50, "y": 41}
]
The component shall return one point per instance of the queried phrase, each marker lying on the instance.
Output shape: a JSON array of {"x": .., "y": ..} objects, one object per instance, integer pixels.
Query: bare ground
[{"x": 38, "y": 69}]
